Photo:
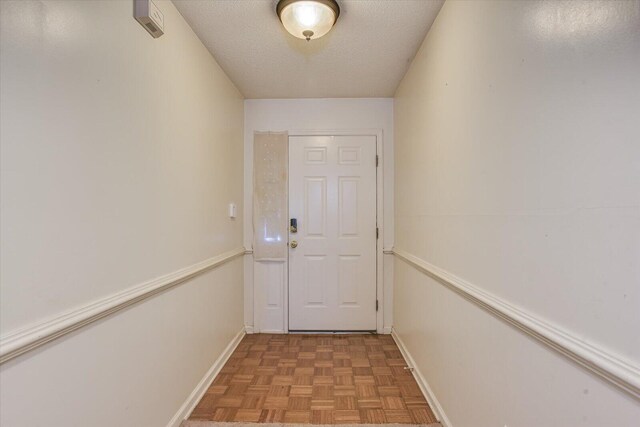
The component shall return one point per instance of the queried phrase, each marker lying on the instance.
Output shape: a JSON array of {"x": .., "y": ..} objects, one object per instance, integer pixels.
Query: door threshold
[{"x": 368, "y": 331}]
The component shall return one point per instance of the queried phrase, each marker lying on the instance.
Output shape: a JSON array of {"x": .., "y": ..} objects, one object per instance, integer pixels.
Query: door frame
[{"x": 378, "y": 133}]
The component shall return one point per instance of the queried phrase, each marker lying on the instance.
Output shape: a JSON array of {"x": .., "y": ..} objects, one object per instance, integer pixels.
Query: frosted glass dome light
[{"x": 308, "y": 19}]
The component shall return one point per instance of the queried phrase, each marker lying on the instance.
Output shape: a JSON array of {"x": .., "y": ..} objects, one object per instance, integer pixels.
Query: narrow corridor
[{"x": 184, "y": 183}]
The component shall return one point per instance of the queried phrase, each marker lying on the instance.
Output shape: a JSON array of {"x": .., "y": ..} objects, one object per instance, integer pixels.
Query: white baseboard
[
  {"x": 422, "y": 382},
  {"x": 248, "y": 329},
  {"x": 195, "y": 396},
  {"x": 386, "y": 330}
]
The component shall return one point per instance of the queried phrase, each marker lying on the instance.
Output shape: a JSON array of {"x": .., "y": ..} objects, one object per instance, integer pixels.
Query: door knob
[{"x": 294, "y": 244}]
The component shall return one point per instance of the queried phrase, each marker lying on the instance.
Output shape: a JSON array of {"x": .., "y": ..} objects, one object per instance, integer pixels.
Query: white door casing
[{"x": 332, "y": 194}]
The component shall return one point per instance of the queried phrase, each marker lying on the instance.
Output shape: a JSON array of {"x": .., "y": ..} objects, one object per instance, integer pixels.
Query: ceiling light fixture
[{"x": 307, "y": 19}]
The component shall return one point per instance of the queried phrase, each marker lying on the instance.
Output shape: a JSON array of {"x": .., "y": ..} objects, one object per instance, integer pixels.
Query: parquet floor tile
[{"x": 315, "y": 379}]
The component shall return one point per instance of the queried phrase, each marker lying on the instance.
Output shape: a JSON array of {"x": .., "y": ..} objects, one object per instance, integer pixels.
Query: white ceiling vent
[{"x": 148, "y": 14}]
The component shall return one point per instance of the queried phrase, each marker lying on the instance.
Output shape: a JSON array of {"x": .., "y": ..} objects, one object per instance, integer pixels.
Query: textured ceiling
[{"x": 365, "y": 55}]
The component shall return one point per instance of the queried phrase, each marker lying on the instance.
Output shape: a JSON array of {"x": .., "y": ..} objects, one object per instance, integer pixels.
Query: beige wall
[
  {"x": 120, "y": 154},
  {"x": 517, "y": 170}
]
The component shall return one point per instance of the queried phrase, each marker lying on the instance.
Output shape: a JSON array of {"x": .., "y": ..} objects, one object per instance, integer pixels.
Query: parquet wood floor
[{"x": 315, "y": 379}]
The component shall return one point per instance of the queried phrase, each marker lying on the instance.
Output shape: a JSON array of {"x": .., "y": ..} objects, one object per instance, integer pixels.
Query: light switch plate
[{"x": 232, "y": 210}]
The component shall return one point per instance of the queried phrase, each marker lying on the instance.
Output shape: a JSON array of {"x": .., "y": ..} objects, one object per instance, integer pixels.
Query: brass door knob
[{"x": 294, "y": 244}]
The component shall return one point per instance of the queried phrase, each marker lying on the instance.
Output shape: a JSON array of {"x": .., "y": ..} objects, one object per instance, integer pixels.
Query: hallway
[
  {"x": 315, "y": 379},
  {"x": 216, "y": 213}
]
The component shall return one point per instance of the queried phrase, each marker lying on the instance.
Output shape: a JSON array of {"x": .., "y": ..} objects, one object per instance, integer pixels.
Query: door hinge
[
  {"x": 377, "y": 160},
  {"x": 376, "y": 305},
  {"x": 377, "y": 233}
]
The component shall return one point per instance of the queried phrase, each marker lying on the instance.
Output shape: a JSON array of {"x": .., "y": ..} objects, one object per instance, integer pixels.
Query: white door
[{"x": 332, "y": 270}]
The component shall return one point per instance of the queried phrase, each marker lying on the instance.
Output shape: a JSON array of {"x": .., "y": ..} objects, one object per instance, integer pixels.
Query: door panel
[
  {"x": 315, "y": 210},
  {"x": 316, "y": 277},
  {"x": 332, "y": 271},
  {"x": 348, "y": 274},
  {"x": 348, "y": 206}
]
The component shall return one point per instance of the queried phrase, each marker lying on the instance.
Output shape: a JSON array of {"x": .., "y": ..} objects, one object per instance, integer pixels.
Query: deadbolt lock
[{"x": 294, "y": 244}]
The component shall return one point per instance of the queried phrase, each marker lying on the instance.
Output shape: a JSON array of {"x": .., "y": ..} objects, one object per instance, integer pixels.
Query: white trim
[
  {"x": 378, "y": 133},
  {"x": 336, "y": 132},
  {"x": 422, "y": 382},
  {"x": 33, "y": 336},
  {"x": 272, "y": 331},
  {"x": 610, "y": 367},
  {"x": 380, "y": 296},
  {"x": 195, "y": 396}
]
